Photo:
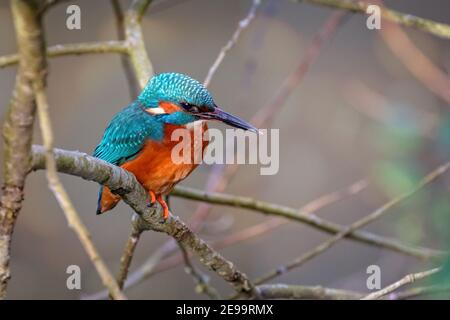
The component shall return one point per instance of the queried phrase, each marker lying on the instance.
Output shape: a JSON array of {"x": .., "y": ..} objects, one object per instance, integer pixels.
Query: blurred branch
[
  {"x": 18, "y": 128},
  {"x": 283, "y": 291},
  {"x": 323, "y": 35},
  {"x": 201, "y": 280},
  {"x": 378, "y": 213},
  {"x": 378, "y": 108},
  {"x": 304, "y": 217},
  {"x": 243, "y": 24},
  {"x": 125, "y": 184},
  {"x": 55, "y": 185},
  {"x": 127, "y": 255},
  {"x": 111, "y": 46},
  {"x": 134, "y": 38},
  {"x": 410, "y": 278},
  {"x": 436, "y": 28},
  {"x": 419, "y": 291},
  {"x": 63, "y": 198},
  {"x": 47, "y": 4},
  {"x": 420, "y": 66},
  {"x": 133, "y": 85}
]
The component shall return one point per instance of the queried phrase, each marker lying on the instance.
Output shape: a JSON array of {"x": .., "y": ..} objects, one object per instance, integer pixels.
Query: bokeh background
[{"x": 358, "y": 114}]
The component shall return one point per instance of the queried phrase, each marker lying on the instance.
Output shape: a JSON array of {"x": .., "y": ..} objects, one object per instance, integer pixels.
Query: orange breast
[{"x": 154, "y": 168}]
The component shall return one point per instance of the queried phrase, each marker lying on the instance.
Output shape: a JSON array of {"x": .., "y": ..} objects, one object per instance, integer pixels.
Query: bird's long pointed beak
[{"x": 225, "y": 117}]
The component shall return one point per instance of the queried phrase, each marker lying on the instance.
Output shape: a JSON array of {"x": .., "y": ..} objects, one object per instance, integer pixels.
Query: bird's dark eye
[{"x": 190, "y": 107}]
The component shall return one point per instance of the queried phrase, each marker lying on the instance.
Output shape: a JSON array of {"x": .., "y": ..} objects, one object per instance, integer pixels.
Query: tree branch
[
  {"x": 283, "y": 291},
  {"x": 125, "y": 184},
  {"x": 438, "y": 29},
  {"x": 133, "y": 86},
  {"x": 18, "y": 127},
  {"x": 378, "y": 213},
  {"x": 201, "y": 280},
  {"x": 111, "y": 46},
  {"x": 410, "y": 278},
  {"x": 420, "y": 66},
  {"x": 304, "y": 217},
  {"x": 419, "y": 291},
  {"x": 243, "y": 24},
  {"x": 63, "y": 198},
  {"x": 93, "y": 169},
  {"x": 134, "y": 38},
  {"x": 127, "y": 255},
  {"x": 55, "y": 185}
]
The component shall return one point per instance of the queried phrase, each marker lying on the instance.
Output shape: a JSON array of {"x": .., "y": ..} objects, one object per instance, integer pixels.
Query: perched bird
[{"x": 138, "y": 138}]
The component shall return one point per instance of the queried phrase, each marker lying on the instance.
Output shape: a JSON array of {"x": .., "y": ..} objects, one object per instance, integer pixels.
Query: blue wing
[{"x": 126, "y": 134}]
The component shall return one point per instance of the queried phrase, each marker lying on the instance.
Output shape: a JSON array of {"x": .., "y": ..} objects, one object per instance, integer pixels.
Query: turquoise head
[{"x": 175, "y": 98}]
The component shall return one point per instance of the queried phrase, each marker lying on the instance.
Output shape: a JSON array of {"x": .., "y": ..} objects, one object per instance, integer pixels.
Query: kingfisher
[{"x": 138, "y": 138}]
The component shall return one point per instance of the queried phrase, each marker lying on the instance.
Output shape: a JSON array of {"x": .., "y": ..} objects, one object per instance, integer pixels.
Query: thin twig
[
  {"x": 419, "y": 291},
  {"x": 63, "y": 198},
  {"x": 284, "y": 291},
  {"x": 111, "y": 46},
  {"x": 127, "y": 255},
  {"x": 201, "y": 280},
  {"x": 420, "y": 66},
  {"x": 243, "y": 24},
  {"x": 410, "y": 278},
  {"x": 323, "y": 36},
  {"x": 354, "y": 226},
  {"x": 407, "y": 20}
]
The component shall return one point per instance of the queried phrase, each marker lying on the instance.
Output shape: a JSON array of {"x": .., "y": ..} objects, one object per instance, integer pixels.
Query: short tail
[
  {"x": 106, "y": 200},
  {"x": 99, "y": 201}
]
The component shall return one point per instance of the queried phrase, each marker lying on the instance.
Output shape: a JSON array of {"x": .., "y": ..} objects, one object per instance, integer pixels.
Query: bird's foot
[
  {"x": 152, "y": 199},
  {"x": 164, "y": 205}
]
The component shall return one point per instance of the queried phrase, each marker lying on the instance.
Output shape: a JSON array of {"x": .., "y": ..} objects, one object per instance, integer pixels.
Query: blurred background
[{"x": 359, "y": 113}]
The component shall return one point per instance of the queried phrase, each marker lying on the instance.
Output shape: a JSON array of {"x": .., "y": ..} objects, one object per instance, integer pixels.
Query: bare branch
[
  {"x": 283, "y": 291},
  {"x": 18, "y": 128},
  {"x": 127, "y": 255},
  {"x": 438, "y": 29},
  {"x": 55, "y": 185},
  {"x": 419, "y": 291},
  {"x": 354, "y": 226},
  {"x": 304, "y": 217},
  {"x": 125, "y": 184},
  {"x": 410, "y": 278},
  {"x": 243, "y": 24},
  {"x": 111, "y": 46},
  {"x": 201, "y": 280},
  {"x": 133, "y": 86},
  {"x": 64, "y": 201},
  {"x": 134, "y": 38},
  {"x": 420, "y": 66}
]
